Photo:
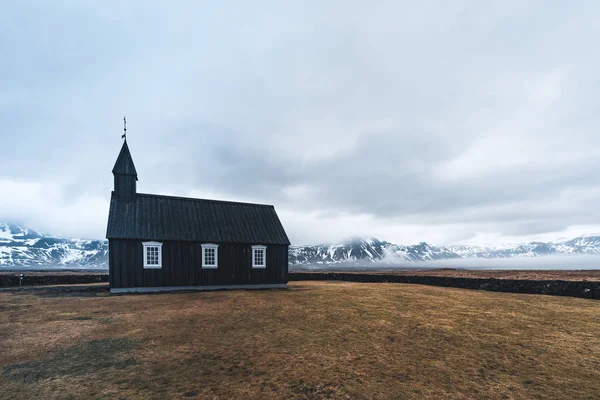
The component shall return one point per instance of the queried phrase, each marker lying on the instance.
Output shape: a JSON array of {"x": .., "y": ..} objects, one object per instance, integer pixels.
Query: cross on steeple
[{"x": 124, "y": 135}]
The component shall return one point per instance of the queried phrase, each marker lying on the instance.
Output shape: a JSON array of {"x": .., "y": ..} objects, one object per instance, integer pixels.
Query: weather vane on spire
[{"x": 124, "y": 135}]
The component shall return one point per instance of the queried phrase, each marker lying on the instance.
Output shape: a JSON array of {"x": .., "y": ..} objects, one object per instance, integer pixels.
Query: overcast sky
[{"x": 440, "y": 121}]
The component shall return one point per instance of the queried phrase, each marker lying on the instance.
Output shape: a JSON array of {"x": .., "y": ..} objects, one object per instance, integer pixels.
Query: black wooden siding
[
  {"x": 182, "y": 265},
  {"x": 125, "y": 187}
]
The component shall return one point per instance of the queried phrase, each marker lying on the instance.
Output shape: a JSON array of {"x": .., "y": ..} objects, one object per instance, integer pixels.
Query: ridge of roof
[{"x": 205, "y": 200}]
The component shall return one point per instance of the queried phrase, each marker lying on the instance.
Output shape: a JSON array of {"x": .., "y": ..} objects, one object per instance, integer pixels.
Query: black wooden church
[{"x": 162, "y": 243}]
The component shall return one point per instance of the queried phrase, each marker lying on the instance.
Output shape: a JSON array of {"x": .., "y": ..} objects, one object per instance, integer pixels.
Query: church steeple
[
  {"x": 124, "y": 164},
  {"x": 125, "y": 174}
]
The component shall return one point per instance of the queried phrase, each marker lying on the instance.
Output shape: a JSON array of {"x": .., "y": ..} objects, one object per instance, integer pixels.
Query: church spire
[
  {"x": 124, "y": 164},
  {"x": 124, "y": 173}
]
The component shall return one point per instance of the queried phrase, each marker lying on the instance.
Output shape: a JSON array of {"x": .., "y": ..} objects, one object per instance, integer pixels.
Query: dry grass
[{"x": 315, "y": 340}]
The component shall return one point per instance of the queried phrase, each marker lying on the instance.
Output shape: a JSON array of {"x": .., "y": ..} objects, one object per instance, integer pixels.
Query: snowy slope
[
  {"x": 356, "y": 249},
  {"x": 20, "y": 246},
  {"x": 366, "y": 250},
  {"x": 373, "y": 250},
  {"x": 579, "y": 245},
  {"x": 587, "y": 244}
]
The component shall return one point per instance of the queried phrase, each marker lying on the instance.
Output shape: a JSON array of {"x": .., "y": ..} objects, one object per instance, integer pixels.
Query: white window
[
  {"x": 210, "y": 256},
  {"x": 259, "y": 256},
  {"x": 152, "y": 255}
]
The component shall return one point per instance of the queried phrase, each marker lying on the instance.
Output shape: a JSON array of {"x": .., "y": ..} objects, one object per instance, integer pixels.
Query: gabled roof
[
  {"x": 124, "y": 164},
  {"x": 155, "y": 217}
]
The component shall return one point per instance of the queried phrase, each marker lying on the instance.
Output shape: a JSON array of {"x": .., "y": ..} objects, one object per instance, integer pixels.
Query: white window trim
[
  {"x": 210, "y": 246},
  {"x": 152, "y": 244},
  {"x": 264, "y": 249}
]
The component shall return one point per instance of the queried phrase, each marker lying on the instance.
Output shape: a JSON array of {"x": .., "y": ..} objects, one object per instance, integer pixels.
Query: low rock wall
[
  {"x": 585, "y": 289},
  {"x": 38, "y": 279}
]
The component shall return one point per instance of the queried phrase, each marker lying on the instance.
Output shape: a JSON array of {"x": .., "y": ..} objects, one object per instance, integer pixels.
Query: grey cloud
[{"x": 452, "y": 119}]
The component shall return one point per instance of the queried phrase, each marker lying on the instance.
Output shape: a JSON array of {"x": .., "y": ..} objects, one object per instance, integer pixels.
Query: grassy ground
[{"x": 315, "y": 340}]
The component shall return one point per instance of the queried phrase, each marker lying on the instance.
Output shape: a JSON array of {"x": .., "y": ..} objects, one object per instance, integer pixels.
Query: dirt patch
[
  {"x": 87, "y": 358},
  {"x": 315, "y": 391},
  {"x": 108, "y": 321}
]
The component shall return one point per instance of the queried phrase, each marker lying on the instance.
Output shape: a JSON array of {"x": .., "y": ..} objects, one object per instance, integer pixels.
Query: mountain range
[{"x": 25, "y": 247}]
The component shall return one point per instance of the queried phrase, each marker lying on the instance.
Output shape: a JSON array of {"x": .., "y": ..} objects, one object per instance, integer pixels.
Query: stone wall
[
  {"x": 588, "y": 290},
  {"x": 37, "y": 279},
  {"x": 584, "y": 289}
]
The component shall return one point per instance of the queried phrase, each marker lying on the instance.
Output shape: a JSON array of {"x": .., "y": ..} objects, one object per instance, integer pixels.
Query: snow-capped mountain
[
  {"x": 418, "y": 252},
  {"x": 25, "y": 247},
  {"x": 532, "y": 249},
  {"x": 369, "y": 250},
  {"x": 587, "y": 244},
  {"x": 366, "y": 250},
  {"x": 20, "y": 246},
  {"x": 356, "y": 249}
]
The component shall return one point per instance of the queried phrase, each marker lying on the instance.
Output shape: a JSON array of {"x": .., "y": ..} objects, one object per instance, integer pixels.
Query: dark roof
[
  {"x": 154, "y": 217},
  {"x": 124, "y": 164}
]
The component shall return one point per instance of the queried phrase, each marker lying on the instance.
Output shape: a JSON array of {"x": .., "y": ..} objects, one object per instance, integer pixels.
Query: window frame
[
  {"x": 147, "y": 245},
  {"x": 264, "y": 257},
  {"x": 205, "y": 247}
]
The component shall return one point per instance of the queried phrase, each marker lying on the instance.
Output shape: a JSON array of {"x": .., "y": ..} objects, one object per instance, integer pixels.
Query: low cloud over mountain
[{"x": 25, "y": 247}]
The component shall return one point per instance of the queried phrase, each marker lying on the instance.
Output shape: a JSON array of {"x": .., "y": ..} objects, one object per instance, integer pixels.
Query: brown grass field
[{"x": 315, "y": 340}]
